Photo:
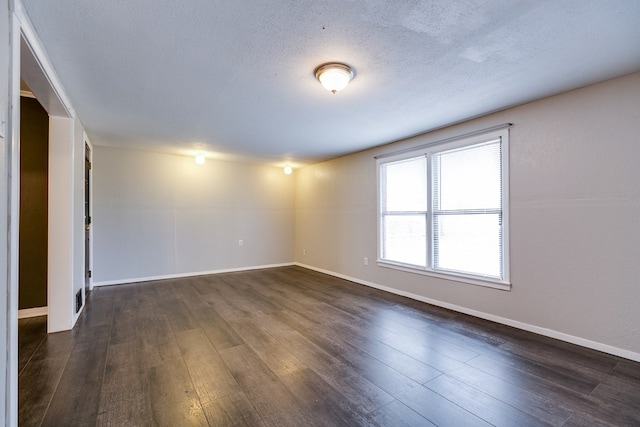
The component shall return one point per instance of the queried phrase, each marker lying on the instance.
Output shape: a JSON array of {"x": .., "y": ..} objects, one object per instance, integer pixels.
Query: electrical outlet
[
  {"x": 240, "y": 243},
  {"x": 366, "y": 261},
  {"x": 304, "y": 252}
]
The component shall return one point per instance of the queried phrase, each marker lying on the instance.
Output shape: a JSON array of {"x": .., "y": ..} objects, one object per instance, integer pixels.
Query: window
[{"x": 443, "y": 209}]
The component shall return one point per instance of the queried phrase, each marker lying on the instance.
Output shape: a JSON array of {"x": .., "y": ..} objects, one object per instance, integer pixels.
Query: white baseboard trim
[
  {"x": 33, "y": 312},
  {"x": 605, "y": 348},
  {"x": 183, "y": 275}
]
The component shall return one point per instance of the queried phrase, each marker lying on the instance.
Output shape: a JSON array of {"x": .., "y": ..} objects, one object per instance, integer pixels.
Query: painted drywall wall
[
  {"x": 162, "y": 215},
  {"x": 66, "y": 221},
  {"x": 575, "y": 204},
  {"x": 61, "y": 224},
  {"x": 34, "y": 160}
]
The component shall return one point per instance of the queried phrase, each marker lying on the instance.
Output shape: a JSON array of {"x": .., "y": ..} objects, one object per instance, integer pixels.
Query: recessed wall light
[
  {"x": 334, "y": 76},
  {"x": 200, "y": 159},
  {"x": 288, "y": 170}
]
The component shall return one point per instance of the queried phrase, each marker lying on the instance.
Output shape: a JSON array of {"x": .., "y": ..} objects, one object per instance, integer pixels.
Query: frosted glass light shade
[
  {"x": 334, "y": 77},
  {"x": 200, "y": 159}
]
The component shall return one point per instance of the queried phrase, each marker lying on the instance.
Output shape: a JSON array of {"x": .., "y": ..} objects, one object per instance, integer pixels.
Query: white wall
[
  {"x": 65, "y": 275},
  {"x": 158, "y": 215},
  {"x": 575, "y": 219}
]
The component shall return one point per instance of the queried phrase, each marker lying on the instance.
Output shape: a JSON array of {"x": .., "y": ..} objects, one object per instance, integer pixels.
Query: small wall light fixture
[
  {"x": 200, "y": 159},
  {"x": 288, "y": 170},
  {"x": 334, "y": 76}
]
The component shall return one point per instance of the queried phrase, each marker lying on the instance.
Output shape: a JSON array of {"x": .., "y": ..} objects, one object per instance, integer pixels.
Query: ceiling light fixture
[
  {"x": 200, "y": 159},
  {"x": 334, "y": 76}
]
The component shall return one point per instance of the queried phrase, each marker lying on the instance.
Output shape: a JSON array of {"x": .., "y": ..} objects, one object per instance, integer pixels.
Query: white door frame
[{"x": 13, "y": 210}]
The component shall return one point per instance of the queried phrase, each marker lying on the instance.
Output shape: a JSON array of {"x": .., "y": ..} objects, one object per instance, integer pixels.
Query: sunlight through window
[{"x": 443, "y": 208}]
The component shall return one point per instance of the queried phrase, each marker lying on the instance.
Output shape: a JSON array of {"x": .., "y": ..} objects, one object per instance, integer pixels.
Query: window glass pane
[
  {"x": 468, "y": 178},
  {"x": 406, "y": 185},
  {"x": 405, "y": 239},
  {"x": 468, "y": 243},
  {"x": 461, "y": 183}
]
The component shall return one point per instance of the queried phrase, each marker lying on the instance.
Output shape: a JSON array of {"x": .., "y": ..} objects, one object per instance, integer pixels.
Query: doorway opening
[
  {"x": 64, "y": 252},
  {"x": 33, "y": 227},
  {"x": 87, "y": 219}
]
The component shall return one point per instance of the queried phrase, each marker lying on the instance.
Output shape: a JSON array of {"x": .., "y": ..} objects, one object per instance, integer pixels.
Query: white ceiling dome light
[
  {"x": 200, "y": 159},
  {"x": 334, "y": 76}
]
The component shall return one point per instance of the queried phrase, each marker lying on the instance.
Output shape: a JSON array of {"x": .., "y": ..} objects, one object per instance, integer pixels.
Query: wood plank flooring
[{"x": 293, "y": 347}]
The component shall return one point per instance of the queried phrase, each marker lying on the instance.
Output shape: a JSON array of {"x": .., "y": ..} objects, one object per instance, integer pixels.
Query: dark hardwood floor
[{"x": 292, "y": 347}]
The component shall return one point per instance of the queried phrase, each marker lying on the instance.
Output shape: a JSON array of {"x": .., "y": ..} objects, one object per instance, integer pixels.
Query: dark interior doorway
[
  {"x": 87, "y": 218},
  {"x": 33, "y": 229}
]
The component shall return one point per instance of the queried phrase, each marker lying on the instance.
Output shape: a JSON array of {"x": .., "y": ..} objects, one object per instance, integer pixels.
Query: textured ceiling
[{"x": 236, "y": 76}]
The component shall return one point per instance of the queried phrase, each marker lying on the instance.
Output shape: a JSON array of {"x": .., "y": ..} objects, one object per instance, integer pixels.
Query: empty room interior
[{"x": 331, "y": 213}]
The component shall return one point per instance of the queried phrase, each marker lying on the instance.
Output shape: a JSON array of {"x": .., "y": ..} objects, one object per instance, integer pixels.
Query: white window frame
[{"x": 484, "y": 136}]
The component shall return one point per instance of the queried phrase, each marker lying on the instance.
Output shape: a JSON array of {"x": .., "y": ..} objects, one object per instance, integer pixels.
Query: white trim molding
[
  {"x": 183, "y": 275},
  {"x": 27, "y": 94},
  {"x": 583, "y": 342},
  {"x": 32, "y": 312},
  {"x": 12, "y": 174}
]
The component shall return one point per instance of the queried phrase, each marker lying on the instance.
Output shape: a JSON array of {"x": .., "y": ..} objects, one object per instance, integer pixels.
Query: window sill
[{"x": 472, "y": 280}]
